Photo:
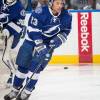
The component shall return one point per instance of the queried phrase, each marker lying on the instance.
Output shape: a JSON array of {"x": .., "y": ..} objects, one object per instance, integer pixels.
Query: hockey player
[
  {"x": 98, "y": 4},
  {"x": 48, "y": 28},
  {"x": 12, "y": 15}
]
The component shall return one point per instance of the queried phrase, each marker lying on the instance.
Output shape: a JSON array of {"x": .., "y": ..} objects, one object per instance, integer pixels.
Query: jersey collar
[{"x": 52, "y": 13}]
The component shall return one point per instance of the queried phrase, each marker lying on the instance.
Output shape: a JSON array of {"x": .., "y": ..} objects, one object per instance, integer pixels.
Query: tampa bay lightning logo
[
  {"x": 38, "y": 10},
  {"x": 55, "y": 20},
  {"x": 52, "y": 31},
  {"x": 22, "y": 13},
  {"x": 5, "y": 16}
]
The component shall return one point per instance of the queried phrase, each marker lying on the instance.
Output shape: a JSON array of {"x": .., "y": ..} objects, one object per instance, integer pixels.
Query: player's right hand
[{"x": 41, "y": 49}]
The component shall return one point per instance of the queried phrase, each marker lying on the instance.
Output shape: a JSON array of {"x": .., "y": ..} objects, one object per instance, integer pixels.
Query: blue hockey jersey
[
  {"x": 44, "y": 25},
  {"x": 12, "y": 13},
  {"x": 12, "y": 18}
]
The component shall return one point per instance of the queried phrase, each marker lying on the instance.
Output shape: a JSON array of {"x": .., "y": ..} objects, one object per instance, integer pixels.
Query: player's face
[{"x": 57, "y": 6}]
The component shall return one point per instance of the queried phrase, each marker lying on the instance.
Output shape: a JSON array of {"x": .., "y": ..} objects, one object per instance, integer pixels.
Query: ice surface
[{"x": 74, "y": 83}]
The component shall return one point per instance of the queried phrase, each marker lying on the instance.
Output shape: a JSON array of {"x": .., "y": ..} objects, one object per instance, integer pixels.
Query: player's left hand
[{"x": 55, "y": 42}]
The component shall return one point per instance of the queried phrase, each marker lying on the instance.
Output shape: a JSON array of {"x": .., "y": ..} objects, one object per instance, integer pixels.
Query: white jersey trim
[
  {"x": 31, "y": 29},
  {"x": 15, "y": 27},
  {"x": 35, "y": 76},
  {"x": 20, "y": 75}
]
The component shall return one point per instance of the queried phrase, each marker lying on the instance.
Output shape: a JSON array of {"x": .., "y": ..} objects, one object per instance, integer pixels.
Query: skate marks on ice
[
  {"x": 74, "y": 83},
  {"x": 3, "y": 91},
  {"x": 4, "y": 74}
]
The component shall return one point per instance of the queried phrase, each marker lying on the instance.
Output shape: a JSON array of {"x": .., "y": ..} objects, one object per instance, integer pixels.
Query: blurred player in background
[
  {"x": 12, "y": 15},
  {"x": 24, "y": 3},
  {"x": 38, "y": 3},
  {"x": 98, "y": 4},
  {"x": 48, "y": 28},
  {"x": 81, "y": 4}
]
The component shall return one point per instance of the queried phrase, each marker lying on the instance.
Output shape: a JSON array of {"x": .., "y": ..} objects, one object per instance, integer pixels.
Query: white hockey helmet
[
  {"x": 51, "y": 2},
  {"x": 8, "y": 2}
]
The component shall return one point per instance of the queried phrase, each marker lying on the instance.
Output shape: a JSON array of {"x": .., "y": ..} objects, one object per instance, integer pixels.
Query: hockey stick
[
  {"x": 4, "y": 54},
  {"x": 33, "y": 73}
]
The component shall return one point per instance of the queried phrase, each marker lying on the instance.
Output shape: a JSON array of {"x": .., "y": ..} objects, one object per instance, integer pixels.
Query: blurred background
[{"x": 70, "y": 4}]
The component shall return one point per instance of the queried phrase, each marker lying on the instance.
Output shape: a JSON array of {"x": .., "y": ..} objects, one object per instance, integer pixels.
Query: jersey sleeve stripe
[{"x": 15, "y": 27}]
